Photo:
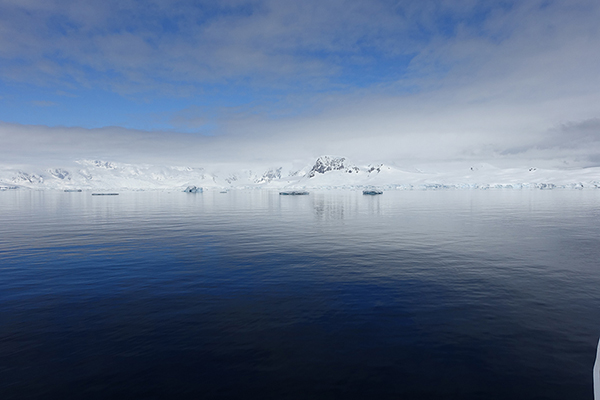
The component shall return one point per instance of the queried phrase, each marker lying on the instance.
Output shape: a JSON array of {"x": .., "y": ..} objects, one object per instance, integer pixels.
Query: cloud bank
[{"x": 262, "y": 81}]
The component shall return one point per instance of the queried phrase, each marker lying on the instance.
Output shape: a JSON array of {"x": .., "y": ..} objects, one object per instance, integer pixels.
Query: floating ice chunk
[
  {"x": 372, "y": 192},
  {"x": 193, "y": 189},
  {"x": 293, "y": 193}
]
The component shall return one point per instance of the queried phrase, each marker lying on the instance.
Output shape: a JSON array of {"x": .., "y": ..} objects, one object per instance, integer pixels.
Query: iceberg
[
  {"x": 193, "y": 189},
  {"x": 293, "y": 193}
]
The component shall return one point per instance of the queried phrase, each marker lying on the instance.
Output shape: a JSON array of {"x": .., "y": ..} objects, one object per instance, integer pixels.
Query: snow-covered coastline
[{"x": 325, "y": 172}]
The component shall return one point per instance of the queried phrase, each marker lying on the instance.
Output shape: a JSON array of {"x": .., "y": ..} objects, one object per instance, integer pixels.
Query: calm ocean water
[{"x": 409, "y": 295}]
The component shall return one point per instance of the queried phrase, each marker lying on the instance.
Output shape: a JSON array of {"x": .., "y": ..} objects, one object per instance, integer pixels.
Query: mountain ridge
[{"x": 325, "y": 172}]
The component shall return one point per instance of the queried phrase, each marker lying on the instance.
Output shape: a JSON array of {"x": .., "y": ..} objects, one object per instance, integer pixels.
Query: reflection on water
[
  {"x": 412, "y": 294},
  {"x": 338, "y": 206}
]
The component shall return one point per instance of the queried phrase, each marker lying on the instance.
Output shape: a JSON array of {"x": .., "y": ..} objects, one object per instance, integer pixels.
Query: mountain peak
[{"x": 326, "y": 164}]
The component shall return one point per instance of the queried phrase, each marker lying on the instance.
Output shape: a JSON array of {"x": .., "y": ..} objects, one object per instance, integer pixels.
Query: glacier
[{"x": 326, "y": 172}]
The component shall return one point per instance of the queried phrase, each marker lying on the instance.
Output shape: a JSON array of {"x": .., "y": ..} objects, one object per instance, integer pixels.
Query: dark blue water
[{"x": 336, "y": 295}]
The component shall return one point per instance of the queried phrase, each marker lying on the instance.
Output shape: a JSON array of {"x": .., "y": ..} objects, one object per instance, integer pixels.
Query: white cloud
[
  {"x": 514, "y": 84},
  {"x": 45, "y": 146}
]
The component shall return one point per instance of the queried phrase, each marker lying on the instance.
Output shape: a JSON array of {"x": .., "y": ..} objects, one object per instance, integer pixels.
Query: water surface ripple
[{"x": 412, "y": 294}]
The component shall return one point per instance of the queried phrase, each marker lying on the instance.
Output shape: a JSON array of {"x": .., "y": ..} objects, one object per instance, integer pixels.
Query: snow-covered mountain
[{"x": 325, "y": 172}]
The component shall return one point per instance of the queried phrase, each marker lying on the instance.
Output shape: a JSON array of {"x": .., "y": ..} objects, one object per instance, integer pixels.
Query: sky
[{"x": 266, "y": 81}]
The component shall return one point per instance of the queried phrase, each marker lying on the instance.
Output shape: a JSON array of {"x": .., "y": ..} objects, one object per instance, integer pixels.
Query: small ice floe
[
  {"x": 372, "y": 192},
  {"x": 193, "y": 189},
  {"x": 293, "y": 193}
]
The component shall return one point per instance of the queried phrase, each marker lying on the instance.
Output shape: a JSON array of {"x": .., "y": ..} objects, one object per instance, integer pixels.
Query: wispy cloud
[
  {"x": 66, "y": 94},
  {"x": 43, "y": 103},
  {"x": 407, "y": 81},
  {"x": 156, "y": 44}
]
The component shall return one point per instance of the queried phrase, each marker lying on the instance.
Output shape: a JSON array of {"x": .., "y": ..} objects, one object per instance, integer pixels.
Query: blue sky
[{"x": 484, "y": 77}]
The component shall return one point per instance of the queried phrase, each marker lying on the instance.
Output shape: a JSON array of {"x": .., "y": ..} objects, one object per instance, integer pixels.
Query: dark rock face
[
  {"x": 103, "y": 164},
  {"x": 326, "y": 164},
  {"x": 231, "y": 178},
  {"x": 60, "y": 173},
  {"x": 374, "y": 168},
  {"x": 270, "y": 175},
  {"x": 27, "y": 178}
]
